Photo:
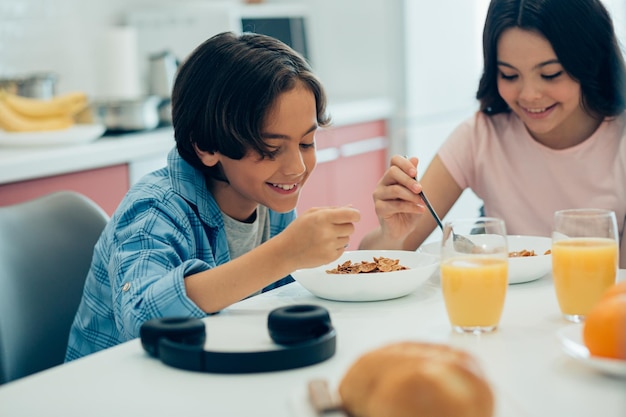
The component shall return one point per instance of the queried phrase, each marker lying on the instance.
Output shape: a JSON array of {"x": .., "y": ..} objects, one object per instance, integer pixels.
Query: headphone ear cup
[
  {"x": 298, "y": 323},
  {"x": 188, "y": 331}
]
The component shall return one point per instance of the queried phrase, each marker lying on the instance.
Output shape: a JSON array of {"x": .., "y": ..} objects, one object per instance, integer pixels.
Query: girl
[
  {"x": 218, "y": 223},
  {"x": 548, "y": 136}
]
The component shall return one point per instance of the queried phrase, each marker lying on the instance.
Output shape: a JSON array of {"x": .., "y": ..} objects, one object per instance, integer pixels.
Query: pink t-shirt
[{"x": 524, "y": 182}]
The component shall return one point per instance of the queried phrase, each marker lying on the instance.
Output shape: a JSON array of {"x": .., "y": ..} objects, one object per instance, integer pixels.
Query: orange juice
[
  {"x": 582, "y": 269},
  {"x": 474, "y": 289}
]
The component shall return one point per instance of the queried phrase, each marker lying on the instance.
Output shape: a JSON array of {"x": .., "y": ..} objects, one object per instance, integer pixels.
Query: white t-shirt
[{"x": 524, "y": 182}]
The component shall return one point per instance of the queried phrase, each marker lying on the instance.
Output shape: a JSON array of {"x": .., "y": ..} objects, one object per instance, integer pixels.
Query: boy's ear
[{"x": 208, "y": 158}]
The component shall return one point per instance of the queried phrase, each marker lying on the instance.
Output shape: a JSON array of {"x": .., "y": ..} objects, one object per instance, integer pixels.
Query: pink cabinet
[
  {"x": 106, "y": 186},
  {"x": 351, "y": 161}
]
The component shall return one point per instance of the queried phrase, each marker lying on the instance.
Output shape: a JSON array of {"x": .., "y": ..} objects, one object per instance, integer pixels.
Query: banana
[
  {"x": 12, "y": 121},
  {"x": 67, "y": 104}
]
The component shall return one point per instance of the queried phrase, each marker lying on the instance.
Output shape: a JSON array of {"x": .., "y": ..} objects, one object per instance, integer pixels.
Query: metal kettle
[{"x": 162, "y": 70}]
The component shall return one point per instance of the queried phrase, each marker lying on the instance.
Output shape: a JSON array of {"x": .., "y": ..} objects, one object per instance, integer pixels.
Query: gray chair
[{"x": 46, "y": 246}]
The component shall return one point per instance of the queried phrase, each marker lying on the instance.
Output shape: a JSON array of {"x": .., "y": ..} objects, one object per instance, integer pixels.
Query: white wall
[
  {"x": 355, "y": 46},
  {"x": 58, "y": 36},
  {"x": 617, "y": 8}
]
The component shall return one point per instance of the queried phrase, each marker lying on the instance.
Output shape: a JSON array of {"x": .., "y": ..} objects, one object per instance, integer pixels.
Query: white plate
[
  {"x": 368, "y": 286},
  {"x": 572, "y": 343},
  {"x": 77, "y": 134},
  {"x": 522, "y": 269}
]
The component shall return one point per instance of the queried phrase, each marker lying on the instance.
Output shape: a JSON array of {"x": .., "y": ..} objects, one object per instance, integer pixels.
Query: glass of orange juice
[
  {"x": 474, "y": 277},
  {"x": 585, "y": 256}
]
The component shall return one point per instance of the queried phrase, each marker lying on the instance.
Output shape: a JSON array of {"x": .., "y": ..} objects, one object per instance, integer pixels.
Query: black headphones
[{"x": 304, "y": 331}]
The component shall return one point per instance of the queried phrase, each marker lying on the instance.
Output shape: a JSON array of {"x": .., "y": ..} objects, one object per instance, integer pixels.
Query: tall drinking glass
[
  {"x": 585, "y": 258},
  {"x": 474, "y": 277}
]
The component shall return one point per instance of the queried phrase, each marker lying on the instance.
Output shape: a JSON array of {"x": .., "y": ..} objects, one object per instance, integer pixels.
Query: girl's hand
[
  {"x": 396, "y": 200},
  {"x": 320, "y": 235}
]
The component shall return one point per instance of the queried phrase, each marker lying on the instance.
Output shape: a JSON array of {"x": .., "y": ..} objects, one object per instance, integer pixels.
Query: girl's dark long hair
[{"x": 583, "y": 37}]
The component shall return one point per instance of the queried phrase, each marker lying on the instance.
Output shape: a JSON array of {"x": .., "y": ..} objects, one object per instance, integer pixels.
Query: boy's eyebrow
[
  {"x": 269, "y": 135},
  {"x": 539, "y": 65}
]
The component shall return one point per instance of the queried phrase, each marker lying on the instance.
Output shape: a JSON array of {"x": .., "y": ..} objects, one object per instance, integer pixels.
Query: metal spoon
[{"x": 461, "y": 243}]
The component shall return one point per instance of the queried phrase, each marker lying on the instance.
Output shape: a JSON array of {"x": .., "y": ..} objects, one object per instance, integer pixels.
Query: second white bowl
[{"x": 521, "y": 269}]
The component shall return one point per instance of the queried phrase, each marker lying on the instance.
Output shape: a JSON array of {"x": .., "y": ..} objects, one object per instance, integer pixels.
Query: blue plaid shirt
[{"x": 168, "y": 226}]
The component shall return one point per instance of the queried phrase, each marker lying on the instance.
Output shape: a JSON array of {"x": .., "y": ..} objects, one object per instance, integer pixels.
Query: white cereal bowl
[
  {"x": 521, "y": 269},
  {"x": 529, "y": 268},
  {"x": 373, "y": 286}
]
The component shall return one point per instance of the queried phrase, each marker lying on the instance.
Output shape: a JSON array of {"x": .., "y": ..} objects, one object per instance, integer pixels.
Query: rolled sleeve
[
  {"x": 140, "y": 299},
  {"x": 154, "y": 252}
]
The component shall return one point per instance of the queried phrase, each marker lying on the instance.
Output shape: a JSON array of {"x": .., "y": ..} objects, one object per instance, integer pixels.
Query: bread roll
[{"x": 410, "y": 379}]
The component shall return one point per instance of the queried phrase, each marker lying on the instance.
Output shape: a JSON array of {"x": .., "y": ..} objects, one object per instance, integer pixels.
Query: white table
[{"x": 530, "y": 373}]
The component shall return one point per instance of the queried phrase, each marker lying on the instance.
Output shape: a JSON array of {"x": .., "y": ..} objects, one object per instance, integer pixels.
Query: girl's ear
[{"x": 208, "y": 158}]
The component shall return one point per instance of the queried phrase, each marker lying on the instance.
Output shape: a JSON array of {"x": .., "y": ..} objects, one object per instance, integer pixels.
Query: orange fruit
[
  {"x": 604, "y": 329},
  {"x": 617, "y": 288}
]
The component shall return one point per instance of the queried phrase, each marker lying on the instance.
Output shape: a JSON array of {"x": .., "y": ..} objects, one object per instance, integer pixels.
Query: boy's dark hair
[
  {"x": 582, "y": 35},
  {"x": 224, "y": 90}
]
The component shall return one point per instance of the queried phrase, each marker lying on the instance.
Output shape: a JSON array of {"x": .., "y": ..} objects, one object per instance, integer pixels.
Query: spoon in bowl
[{"x": 461, "y": 243}]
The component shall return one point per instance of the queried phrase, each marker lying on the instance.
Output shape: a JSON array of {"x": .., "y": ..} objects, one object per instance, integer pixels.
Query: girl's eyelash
[
  {"x": 546, "y": 77},
  {"x": 308, "y": 145},
  {"x": 552, "y": 76},
  {"x": 507, "y": 77}
]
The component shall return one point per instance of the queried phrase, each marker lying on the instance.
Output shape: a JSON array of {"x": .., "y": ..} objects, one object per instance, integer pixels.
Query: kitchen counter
[{"x": 19, "y": 164}]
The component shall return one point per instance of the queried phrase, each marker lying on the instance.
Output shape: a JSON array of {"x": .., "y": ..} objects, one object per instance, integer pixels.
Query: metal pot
[
  {"x": 165, "y": 112},
  {"x": 127, "y": 115},
  {"x": 39, "y": 85}
]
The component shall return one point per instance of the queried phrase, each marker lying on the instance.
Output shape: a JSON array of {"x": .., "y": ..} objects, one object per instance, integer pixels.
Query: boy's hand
[{"x": 320, "y": 235}]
